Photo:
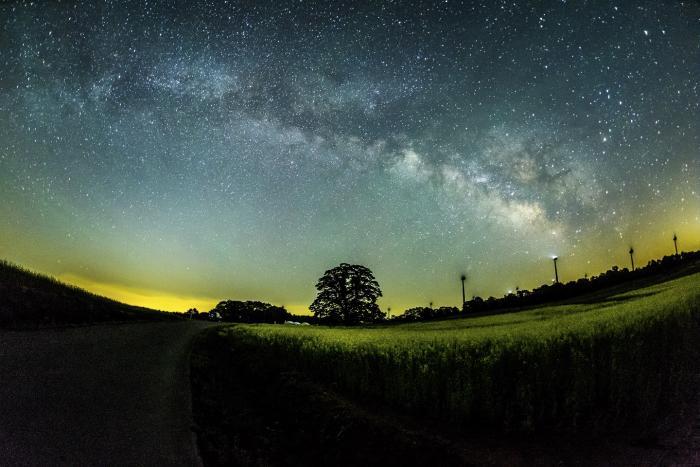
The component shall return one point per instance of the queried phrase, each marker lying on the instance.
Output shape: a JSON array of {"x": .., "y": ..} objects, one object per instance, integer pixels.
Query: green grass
[{"x": 621, "y": 361}]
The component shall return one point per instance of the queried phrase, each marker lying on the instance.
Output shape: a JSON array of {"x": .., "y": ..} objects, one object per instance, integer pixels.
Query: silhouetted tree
[{"x": 347, "y": 294}]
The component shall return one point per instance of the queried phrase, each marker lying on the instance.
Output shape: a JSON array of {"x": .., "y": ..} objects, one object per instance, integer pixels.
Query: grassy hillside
[
  {"x": 601, "y": 366},
  {"x": 28, "y": 299}
]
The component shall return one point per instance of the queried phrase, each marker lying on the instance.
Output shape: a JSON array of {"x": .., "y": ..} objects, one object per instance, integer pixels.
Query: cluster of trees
[
  {"x": 251, "y": 312},
  {"x": 194, "y": 313},
  {"x": 348, "y": 293},
  {"x": 558, "y": 291},
  {"x": 420, "y": 313},
  {"x": 235, "y": 311},
  {"x": 554, "y": 292}
]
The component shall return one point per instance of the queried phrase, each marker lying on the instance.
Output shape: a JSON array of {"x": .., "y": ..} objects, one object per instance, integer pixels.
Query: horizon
[
  {"x": 176, "y": 156},
  {"x": 145, "y": 298}
]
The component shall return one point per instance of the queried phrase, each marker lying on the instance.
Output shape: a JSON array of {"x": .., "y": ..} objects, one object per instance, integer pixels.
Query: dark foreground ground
[
  {"x": 250, "y": 411},
  {"x": 119, "y": 394},
  {"x": 112, "y": 394}
]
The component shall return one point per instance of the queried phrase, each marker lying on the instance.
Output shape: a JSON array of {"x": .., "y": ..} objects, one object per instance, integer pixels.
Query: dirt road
[{"x": 97, "y": 395}]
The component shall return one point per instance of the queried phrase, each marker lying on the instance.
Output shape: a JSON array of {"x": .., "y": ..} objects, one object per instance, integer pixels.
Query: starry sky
[{"x": 176, "y": 153}]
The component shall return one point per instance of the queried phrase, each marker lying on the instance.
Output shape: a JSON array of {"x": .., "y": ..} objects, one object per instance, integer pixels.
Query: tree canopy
[
  {"x": 347, "y": 294},
  {"x": 423, "y": 312},
  {"x": 250, "y": 312}
]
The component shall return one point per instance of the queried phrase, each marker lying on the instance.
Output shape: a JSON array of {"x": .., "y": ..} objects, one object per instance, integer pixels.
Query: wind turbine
[
  {"x": 675, "y": 243},
  {"x": 632, "y": 257},
  {"x": 556, "y": 271},
  {"x": 463, "y": 278}
]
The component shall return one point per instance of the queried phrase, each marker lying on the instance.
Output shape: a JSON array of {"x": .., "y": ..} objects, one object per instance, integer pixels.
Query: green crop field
[{"x": 602, "y": 365}]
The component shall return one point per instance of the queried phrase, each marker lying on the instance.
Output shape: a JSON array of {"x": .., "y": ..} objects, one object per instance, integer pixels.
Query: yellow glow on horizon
[
  {"x": 594, "y": 253},
  {"x": 155, "y": 299},
  {"x": 298, "y": 309}
]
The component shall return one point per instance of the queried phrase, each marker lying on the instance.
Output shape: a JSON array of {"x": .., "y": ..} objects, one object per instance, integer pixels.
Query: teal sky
[{"x": 179, "y": 154}]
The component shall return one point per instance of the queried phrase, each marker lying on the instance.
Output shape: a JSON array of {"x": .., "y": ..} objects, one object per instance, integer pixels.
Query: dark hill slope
[{"x": 28, "y": 299}]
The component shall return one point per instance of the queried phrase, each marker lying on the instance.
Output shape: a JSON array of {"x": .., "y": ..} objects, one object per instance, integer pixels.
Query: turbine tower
[
  {"x": 632, "y": 257},
  {"x": 556, "y": 271},
  {"x": 464, "y": 297},
  {"x": 675, "y": 243}
]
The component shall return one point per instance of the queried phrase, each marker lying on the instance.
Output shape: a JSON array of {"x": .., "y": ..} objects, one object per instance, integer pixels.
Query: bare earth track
[{"x": 112, "y": 394}]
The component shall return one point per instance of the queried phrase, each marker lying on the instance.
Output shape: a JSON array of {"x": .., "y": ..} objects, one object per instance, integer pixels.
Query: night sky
[{"x": 172, "y": 154}]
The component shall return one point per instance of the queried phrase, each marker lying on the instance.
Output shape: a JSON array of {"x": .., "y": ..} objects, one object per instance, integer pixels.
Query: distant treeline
[
  {"x": 558, "y": 291},
  {"x": 28, "y": 299},
  {"x": 235, "y": 311},
  {"x": 260, "y": 312}
]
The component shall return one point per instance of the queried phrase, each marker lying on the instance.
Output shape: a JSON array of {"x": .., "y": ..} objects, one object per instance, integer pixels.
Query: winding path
[{"x": 116, "y": 394}]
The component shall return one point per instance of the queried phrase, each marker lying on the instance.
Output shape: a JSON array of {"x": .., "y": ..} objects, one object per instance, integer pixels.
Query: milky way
[{"x": 169, "y": 153}]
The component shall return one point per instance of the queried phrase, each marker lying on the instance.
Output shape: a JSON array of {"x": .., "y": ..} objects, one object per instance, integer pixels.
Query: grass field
[{"x": 614, "y": 362}]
